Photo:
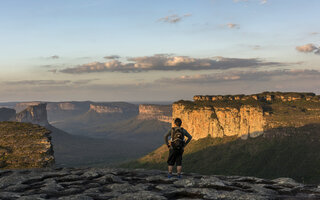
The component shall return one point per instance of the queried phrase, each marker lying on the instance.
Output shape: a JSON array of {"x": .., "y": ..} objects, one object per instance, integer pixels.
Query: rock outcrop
[
  {"x": 7, "y": 114},
  {"x": 158, "y": 112},
  {"x": 36, "y": 114},
  {"x": 24, "y": 145},
  {"x": 265, "y": 96},
  {"x": 22, "y": 106},
  {"x": 106, "y": 183},
  {"x": 114, "y": 108},
  {"x": 105, "y": 109},
  {"x": 246, "y": 115},
  {"x": 221, "y": 121},
  {"x": 61, "y": 106}
]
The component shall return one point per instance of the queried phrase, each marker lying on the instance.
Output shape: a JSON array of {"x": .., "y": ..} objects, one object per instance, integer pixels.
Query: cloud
[
  {"x": 261, "y": 1},
  {"x": 38, "y": 82},
  {"x": 236, "y": 76},
  {"x": 167, "y": 62},
  {"x": 240, "y": 1},
  {"x": 172, "y": 19},
  {"x": 54, "y": 57},
  {"x": 308, "y": 48},
  {"x": 53, "y": 71},
  {"x": 112, "y": 57},
  {"x": 314, "y": 33},
  {"x": 256, "y": 47},
  {"x": 264, "y": 1},
  {"x": 233, "y": 26},
  {"x": 48, "y": 82}
]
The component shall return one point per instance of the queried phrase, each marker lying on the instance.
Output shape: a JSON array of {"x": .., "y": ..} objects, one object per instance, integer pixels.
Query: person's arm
[
  {"x": 166, "y": 138},
  {"x": 188, "y": 136}
]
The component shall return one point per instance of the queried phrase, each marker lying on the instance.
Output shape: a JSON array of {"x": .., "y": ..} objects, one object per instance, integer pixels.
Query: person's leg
[
  {"x": 171, "y": 161},
  {"x": 179, "y": 164},
  {"x": 179, "y": 169}
]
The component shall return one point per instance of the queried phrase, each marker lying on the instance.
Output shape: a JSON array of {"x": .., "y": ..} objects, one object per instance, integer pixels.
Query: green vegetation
[
  {"x": 295, "y": 155},
  {"x": 292, "y": 113},
  {"x": 24, "y": 145},
  {"x": 193, "y": 105}
]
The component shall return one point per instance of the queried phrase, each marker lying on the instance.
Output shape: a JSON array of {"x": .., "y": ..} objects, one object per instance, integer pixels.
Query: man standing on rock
[{"x": 176, "y": 146}]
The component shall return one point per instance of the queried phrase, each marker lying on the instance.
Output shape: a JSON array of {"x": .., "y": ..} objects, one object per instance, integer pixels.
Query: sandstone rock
[
  {"x": 220, "y": 121},
  {"x": 158, "y": 112},
  {"x": 105, "y": 109},
  {"x": 36, "y": 114},
  {"x": 22, "y": 106}
]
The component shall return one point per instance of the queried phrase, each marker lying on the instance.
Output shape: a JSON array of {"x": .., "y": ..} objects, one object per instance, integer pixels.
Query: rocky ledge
[{"x": 106, "y": 183}]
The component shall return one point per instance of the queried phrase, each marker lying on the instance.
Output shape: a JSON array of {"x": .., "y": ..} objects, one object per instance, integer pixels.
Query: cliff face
[
  {"x": 24, "y": 145},
  {"x": 34, "y": 114},
  {"x": 105, "y": 109},
  {"x": 243, "y": 115},
  {"x": 22, "y": 106},
  {"x": 66, "y": 106},
  {"x": 114, "y": 108},
  {"x": 158, "y": 112},
  {"x": 221, "y": 121}
]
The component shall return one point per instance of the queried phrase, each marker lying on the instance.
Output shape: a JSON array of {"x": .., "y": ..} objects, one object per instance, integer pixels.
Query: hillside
[{"x": 284, "y": 152}]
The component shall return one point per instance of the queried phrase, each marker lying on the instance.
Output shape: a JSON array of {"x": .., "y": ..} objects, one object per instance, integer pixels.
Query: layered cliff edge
[
  {"x": 25, "y": 145},
  {"x": 122, "y": 184},
  {"x": 246, "y": 115},
  {"x": 35, "y": 114},
  {"x": 158, "y": 112}
]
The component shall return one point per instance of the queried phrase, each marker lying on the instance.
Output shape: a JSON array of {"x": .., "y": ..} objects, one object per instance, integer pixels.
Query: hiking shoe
[
  {"x": 179, "y": 176},
  {"x": 169, "y": 175}
]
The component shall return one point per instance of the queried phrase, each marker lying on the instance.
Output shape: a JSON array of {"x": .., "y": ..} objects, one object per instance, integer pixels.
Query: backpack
[{"x": 177, "y": 139}]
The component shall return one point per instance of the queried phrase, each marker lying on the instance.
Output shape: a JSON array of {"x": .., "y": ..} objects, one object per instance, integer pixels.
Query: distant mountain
[
  {"x": 7, "y": 114},
  {"x": 120, "y": 120},
  {"x": 76, "y": 150},
  {"x": 73, "y": 150}
]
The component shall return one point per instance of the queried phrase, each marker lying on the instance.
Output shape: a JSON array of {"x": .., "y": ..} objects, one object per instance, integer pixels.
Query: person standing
[{"x": 176, "y": 146}]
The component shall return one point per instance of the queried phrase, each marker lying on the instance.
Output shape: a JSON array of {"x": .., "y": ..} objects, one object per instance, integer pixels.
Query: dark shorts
[{"x": 175, "y": 157}]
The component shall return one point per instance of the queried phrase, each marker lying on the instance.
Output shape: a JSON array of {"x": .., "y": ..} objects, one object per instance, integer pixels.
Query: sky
[{"x": 148, "y": 50}]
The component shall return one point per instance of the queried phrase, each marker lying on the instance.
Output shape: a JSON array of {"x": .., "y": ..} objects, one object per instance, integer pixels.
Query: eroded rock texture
[
  {"x": 24, "y": 145},
  {"x": 158, "y": 112},
  {"x": 36, "y": 114},
  {"x": 105, "y": 183},
  {"x": 221, "y": 121}
]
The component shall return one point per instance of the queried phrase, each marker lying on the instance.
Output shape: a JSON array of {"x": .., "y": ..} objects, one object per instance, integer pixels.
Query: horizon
[
  {"x": 164, "y": 102},
  {"x": 156, "y": 51}
]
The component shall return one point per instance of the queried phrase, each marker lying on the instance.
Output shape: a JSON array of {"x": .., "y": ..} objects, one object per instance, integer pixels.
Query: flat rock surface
[{"x": 107, "y": 183}]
